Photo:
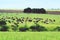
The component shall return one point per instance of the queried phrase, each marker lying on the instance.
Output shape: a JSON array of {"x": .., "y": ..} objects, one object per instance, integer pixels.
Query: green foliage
[
  {"x": 14, "y": 27},
  {"x": 2, "y": 22},
  {"x": 38, "y": 28},
  {"x": 43, "y": 22},
  {"x": 56, "y": 29},
  {"x": 4, "y": 28},
  {"x": 23, "y": 29}
]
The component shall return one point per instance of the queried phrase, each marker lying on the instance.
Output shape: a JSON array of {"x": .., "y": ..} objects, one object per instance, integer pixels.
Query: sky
[{"x": 21, "y": 4}]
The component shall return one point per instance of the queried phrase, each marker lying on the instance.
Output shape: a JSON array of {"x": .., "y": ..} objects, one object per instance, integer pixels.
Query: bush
[
  {"x": 2, "y": 22},
  {"x": 27, "y": 10},
  {"x": 23, "y": 29},
  {"x": 38, "y": 28},
  {"x": 42, "y": 10},
  {"x": 4, "y": 28},
  {"x": 56, "y": 29},
  {"x": 34, "y": 10},
  {"x": 14, "y": 27}
]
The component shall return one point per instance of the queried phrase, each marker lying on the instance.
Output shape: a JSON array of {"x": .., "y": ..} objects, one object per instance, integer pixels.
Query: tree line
[{"x": 34, "y": 10}]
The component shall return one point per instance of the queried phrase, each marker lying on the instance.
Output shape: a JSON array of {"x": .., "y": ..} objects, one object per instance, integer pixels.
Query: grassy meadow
[
  {"x": 51, "y": 25},
  {"x": 48, "y": 35},
  {"x": 29, "y": 35}
]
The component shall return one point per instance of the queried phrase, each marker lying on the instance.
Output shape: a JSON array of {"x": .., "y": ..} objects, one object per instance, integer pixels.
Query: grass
[
  {"x": 32, "y": 35},
  {"x": 44, "y": 16},
  {"x": 29, "y": 35}
]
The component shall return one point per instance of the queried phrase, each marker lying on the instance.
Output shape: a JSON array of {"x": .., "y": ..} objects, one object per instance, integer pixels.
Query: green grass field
[
  {"x": 44, "y": 16},
  {"x": 29, "y": 35},
  {"x": 32, "y": 35}
]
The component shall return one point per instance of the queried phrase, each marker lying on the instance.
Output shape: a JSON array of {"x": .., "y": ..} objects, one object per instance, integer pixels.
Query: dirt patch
[{"x": 54, "y": 12}]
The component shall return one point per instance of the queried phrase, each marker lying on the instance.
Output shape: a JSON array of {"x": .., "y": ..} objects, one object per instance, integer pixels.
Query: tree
[{"x": 27, "y": 10}]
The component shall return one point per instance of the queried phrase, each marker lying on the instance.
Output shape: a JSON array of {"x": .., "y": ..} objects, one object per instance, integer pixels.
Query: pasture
[
  {"x": 50, "y": 25},
  {"x": 29, "y": 35},
  {"x": 17, "y": 35}
]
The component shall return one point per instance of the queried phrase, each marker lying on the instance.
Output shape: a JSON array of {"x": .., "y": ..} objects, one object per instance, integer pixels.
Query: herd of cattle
[
  {"x": 34, "y": 10},
  {"x": 15, "y": 24}
]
